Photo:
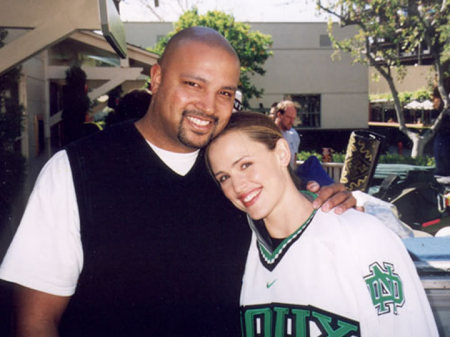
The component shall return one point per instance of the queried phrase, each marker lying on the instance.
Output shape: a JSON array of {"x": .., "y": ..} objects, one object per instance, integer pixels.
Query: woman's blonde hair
[{"x": 258, "y": 127}]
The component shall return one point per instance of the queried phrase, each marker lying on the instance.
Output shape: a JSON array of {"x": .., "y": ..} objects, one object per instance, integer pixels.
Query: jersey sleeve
[
  {"x": 397, "y": 300},
  {"x": 46, "y": 253}
]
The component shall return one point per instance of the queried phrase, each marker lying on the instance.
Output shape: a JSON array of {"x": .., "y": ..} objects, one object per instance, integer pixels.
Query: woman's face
[{"x": 251, "y": 176}]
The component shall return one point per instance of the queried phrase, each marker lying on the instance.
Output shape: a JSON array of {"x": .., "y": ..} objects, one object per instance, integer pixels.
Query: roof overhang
[
  {"x": 49, "y": 21},
  {"x": 98, "y": 41}
]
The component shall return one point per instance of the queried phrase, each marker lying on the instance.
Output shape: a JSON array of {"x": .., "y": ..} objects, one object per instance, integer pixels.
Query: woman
[{"x": 311, "y": 273}]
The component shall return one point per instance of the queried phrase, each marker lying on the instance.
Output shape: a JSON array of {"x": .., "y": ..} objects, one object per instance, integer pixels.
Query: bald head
[
  {"x": 196, "y": 34},
  {"x": 193, "y": 90}
]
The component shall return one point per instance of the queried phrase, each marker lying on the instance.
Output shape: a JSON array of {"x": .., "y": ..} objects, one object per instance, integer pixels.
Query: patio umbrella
[{"x": 416, "y": 105}]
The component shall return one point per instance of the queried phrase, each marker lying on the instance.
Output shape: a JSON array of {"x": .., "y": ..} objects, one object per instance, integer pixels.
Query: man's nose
[{"x": 206, "y": 102}]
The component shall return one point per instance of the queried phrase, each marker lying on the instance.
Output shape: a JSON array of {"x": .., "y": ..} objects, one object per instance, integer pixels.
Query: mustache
[{"x": 199, "y": 113}]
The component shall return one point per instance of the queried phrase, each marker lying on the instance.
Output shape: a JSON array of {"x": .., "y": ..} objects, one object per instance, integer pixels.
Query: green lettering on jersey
[
  {"x": 301, "y": 323},
  {"x": 280, "y": 323},
  {"x": 343, "y": 328},
  {"x": 257, "y": 321},
  {"x": 385, "y": 287},
  {"x": 276, "y": 320}
]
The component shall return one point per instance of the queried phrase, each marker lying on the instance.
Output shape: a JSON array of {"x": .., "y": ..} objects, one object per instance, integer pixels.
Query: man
[
  {"x": 134, "y": 209},
  {"x": 285, "y": 117},
  {"x": 273, "y": 111}
]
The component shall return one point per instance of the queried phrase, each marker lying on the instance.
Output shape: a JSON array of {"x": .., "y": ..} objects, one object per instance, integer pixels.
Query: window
[
  {"x": 325, "y": 40},
  {"x": 308, "y": 110}
]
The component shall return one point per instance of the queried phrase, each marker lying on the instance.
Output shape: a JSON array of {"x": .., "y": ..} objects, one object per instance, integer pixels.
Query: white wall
[
  {"x": 145, "y": 34},
  {"x": 299, "y": 65},
  {"x": 417, "y": 77}
]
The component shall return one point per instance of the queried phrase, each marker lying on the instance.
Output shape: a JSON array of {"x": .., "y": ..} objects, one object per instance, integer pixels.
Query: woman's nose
[{"x": 239, "y": 183}]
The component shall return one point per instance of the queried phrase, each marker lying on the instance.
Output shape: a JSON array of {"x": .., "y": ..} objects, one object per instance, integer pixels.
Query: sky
[{"x": 242, "y": 10}]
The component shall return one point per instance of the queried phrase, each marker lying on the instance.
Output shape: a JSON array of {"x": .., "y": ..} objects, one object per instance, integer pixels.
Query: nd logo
[{"x": 385, "y": 287}]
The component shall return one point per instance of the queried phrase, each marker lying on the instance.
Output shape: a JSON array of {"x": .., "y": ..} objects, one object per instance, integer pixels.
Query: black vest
[{"x": 163, "y": 254}]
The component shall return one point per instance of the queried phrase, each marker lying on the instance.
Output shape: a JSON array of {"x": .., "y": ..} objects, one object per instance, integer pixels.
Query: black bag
[{"x": 417, "y": 198}]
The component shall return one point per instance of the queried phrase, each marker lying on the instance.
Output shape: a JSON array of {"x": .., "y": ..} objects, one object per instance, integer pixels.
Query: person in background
[
  {"x": 76, "y": 104},
  {"x": 285, "y": 118},
  {"x": 441, "y": 148},
  {"x": 134, "y": 104},
  {"x": 273, "y": 111},
  {"x": 125, "y": 232},
  {"x": 311, "y": 273}
]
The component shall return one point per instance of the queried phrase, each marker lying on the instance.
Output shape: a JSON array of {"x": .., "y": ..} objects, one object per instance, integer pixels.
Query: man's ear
[
  {"x": 282, "y": 151},
  {"x": 155, "y": 76}
]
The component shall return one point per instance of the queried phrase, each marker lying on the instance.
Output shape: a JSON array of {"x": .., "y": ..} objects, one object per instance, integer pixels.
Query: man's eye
[
  {"x": 192, "y": 84},
  {"x": 226, "y": 93}
]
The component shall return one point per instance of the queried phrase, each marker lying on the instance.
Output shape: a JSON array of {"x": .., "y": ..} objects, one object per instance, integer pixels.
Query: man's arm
[
  {"x": 332, "y": 196},
  {"x": 37, "y": 314}
]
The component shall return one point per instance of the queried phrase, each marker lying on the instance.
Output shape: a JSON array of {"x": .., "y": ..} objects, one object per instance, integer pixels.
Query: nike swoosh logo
[{"x": 269, "y": 284}]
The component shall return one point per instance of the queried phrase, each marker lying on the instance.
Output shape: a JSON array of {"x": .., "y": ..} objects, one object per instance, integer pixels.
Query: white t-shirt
[
  {"x": 46, "y": 253},
  {"x": 323, "y": 276}
]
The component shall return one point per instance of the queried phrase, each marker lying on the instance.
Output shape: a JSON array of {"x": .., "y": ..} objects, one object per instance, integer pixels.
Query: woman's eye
[
  {"x": 222, "y": 179},
  {"x": 245, "y": 165}
]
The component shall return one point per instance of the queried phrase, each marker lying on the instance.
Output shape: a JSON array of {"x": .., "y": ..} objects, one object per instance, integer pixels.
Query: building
[
  {"x": 331, "y": 94},
  {"x": 45, "y": 38}
]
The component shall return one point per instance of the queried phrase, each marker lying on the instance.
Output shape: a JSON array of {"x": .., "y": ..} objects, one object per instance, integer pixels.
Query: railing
[{"x": 334, "y": 170}]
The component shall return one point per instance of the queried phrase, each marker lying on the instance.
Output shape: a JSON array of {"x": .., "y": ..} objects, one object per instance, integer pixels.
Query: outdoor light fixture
[{"x": 112, "y": 27}]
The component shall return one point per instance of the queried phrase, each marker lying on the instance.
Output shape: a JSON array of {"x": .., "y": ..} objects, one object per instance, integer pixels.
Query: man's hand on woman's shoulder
[{"x": 334, "y": 196}]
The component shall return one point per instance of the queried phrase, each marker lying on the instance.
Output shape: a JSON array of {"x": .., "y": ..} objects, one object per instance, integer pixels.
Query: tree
[
  {"x": 251, "y": 46},
  {"x": 12, "y": 163},
  {"x": 386, "y": 31}
]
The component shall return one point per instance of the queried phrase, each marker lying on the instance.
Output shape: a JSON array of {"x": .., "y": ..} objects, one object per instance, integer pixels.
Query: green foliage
[
  {"x": 12, "y": 175},
  {"x": 385, "y": 31},
  {"x": 394, "y": 158},
  {"x": 10, "y": 110},
  {"x": 336, "y": 157},
  {"x": 384, "y": 28},
  {"x": 12, "y": 163},
  {"x": 405, "y": 96},
  {"x": 10, "y": 123},
  {"x": 388, "y": 158},
  {"x": 303, "y": 155},
  {"x": 251, "y": 46}
]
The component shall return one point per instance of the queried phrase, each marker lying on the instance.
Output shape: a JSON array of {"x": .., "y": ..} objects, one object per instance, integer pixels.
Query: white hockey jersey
[{"x": 337, "y": 275}]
